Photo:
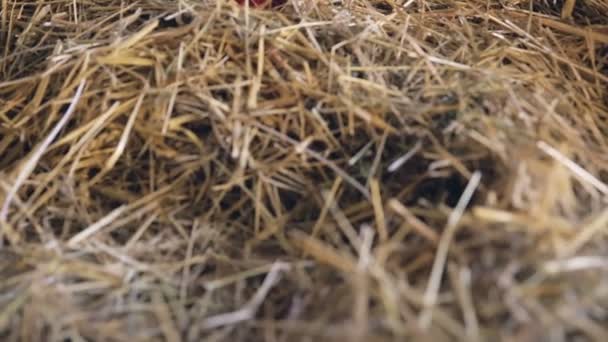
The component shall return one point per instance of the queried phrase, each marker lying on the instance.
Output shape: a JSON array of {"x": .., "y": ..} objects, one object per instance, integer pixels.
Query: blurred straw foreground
[{"x": 358, "y": 170}]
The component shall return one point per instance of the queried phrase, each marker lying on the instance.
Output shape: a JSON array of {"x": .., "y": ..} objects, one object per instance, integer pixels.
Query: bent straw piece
[
  {"x": 567, "y": 8},
  {"x": 249, "y": 310},
  {"x": 564, "y": 27},
  {"x": 96, "y": 227},
  {"x": 135, "y": 38},
  {"x": 420, "y": 227},
  {"x": 432, "y": 291},
  {"x": 33, "y": 161},
  {"x": 576, "y": 169}
]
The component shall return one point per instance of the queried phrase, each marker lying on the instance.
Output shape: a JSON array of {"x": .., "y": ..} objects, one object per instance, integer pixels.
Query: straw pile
[{"x": 369, "y": 170}]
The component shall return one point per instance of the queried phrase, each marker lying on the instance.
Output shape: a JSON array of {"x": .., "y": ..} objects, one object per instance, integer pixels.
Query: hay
[{"x": 358, "y": 170}]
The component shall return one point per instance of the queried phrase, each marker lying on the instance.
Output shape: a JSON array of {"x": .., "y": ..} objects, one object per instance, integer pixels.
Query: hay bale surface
[{"x": 369, "y": 170}]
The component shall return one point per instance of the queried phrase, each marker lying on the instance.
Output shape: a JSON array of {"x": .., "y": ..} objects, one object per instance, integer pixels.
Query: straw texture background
[{"x": 359, "y": 170}]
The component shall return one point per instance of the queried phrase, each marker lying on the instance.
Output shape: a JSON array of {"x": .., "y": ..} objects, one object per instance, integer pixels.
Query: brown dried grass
[{"x": 360, "y": 170}]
